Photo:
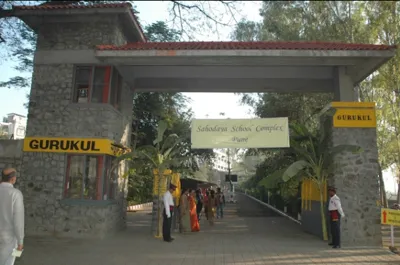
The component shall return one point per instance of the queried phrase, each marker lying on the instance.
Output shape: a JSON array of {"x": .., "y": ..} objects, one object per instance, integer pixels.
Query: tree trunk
[
  {"x": 157, "y": 218},
  {"x": 323, "y": 216},
  {"x": 382, "y": 189},
  {"x": 398, "y": 192}
]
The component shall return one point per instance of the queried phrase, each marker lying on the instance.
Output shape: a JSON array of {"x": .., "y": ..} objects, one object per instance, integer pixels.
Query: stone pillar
[
  {"x": 356, "y": 175},
  {"x": 52, "y": 113},
  {"x": 344, "y": 89}
]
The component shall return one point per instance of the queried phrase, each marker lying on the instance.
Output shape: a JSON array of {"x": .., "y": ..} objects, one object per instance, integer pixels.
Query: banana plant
[
  {"x": 162, "y": 155},
  {"x": 314, "y": 161}
]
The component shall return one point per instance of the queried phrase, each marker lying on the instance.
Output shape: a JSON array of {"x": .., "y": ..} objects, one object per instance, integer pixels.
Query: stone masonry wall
[
  {"x": 356, "y": 179},
  {"x": 80, "y": 35},
  {"x": 10, "y": 155},
  {"x": 52, "y": 114}
]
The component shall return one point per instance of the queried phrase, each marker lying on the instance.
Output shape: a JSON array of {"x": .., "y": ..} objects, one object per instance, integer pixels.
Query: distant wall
[
  {"x": 11, "y": 154},
  {"x": 311, "y": 219}
]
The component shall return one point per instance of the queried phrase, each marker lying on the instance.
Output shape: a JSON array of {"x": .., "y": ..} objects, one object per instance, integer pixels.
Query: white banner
[{"x": 240, "y": 133}]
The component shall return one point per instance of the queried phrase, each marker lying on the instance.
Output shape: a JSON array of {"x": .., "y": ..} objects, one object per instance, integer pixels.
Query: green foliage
[
  {"x": 174, "y": 112},
  {"x": 337, "y": 21},
  {"x": 247, "y": 31},
  {"x": 160, "y": 32},
  {"x": 314, "y": 154},
  {"x": 273, "y": 180},
  {"x": 315, "y": 160}
]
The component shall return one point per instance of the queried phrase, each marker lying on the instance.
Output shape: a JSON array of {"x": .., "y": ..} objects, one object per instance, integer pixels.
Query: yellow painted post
[
  {"x": 176, "y": 180},
  {"x": 306, "y": 194},
  {"x": 310, "y": 194},
  {"x": 159, "y": 188}
]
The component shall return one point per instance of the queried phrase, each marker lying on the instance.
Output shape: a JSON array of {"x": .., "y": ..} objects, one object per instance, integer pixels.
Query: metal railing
[
  {"x": 140, "y": 207},
  {"x": 273, "y": 208}
]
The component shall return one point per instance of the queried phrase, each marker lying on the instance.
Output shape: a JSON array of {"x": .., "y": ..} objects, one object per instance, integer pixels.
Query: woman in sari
[
  {"x": 194, "y": 221},
  {"x": 206, "y": 204},
  {"x": 184, "y": 212},
  {"x": 211, "y": 207}
]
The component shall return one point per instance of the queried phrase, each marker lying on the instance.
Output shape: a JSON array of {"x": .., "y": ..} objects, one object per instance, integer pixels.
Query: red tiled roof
[
  {"x": 51, "y": 7},
  {"x": 72, "y": 6},
  {"x": 247, "y": 46}
]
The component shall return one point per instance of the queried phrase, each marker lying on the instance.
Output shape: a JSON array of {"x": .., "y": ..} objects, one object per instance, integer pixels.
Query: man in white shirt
[
  {"x": 11, "y": 217},
  {"x": 167, "y": 213},
  {"x": 335, "y": 213}
]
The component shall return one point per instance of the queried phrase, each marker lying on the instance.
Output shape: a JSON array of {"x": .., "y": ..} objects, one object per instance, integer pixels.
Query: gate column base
[{"x": 355, "y": 176}]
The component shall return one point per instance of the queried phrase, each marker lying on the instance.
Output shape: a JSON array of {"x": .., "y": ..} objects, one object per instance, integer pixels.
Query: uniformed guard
[
  {"x": 167, "y": 213},
  {"x": 335, "y": 213}
]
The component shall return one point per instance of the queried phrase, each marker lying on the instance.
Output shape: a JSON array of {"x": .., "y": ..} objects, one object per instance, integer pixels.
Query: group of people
[{"x": 190, "y": 209}]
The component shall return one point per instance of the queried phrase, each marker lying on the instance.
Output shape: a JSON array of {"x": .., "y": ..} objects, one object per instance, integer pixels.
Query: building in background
[
  {"x": 13, "y": 126},
  {"x": 221, "y": 160}
]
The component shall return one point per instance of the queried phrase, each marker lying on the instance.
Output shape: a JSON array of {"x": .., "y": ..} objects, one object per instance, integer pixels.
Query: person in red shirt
[{"x": 335, "y": 214}]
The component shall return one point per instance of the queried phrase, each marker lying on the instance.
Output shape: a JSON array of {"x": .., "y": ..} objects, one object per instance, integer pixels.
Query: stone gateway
[{"x": 89, "y": 60}]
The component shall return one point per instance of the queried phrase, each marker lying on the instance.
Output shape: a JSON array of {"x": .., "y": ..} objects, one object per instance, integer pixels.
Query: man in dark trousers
[
  {"x": 167, "y": 213},
  {"x": 335, "y": 213},
  {"x": 220, "y": 203}
]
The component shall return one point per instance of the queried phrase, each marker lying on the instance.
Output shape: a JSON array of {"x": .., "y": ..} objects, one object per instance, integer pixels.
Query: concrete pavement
[{"x": 248, "y": 235}]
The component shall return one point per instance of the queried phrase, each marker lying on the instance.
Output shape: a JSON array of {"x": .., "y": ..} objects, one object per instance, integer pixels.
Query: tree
[
  {"x": 161, "y": 156},
  {"x": 160, "y": 32},
  {"x": 338, "y": 21},
  {"x": 189, "y": 17},
  {"x": 315, "y": 161},
  {"x": 148, "y": 110},
  {"x": 199, "y": 17},
  {"x": 247, "y": 31},
  {"x": 384, "y": 18}
]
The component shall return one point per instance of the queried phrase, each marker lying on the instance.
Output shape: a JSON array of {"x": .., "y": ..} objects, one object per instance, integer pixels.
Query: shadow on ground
[{"x": 240, "y": 238}]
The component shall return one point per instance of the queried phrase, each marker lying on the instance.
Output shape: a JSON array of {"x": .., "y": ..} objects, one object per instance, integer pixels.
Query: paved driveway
[{"x": 249, "y": 234}]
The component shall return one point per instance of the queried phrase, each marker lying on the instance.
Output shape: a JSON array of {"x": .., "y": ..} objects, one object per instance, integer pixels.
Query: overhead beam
[
  {"x": 321, "y": 72},
  {"x": 231, "y": 85},
  {"x": 69, "y": 11},
  {"x": 247, "y": 53},
  {"x": 343, "y": 85},
  {"x": 366, "y": 69},
  {"x": 237, "y": 61}
]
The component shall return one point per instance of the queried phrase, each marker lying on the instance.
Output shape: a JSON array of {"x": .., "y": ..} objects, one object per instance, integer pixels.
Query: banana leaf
[
  {"x": 294, "y": 169},
  {"x": 271, "y": 181},
  {"x": 162, "y": 127}
]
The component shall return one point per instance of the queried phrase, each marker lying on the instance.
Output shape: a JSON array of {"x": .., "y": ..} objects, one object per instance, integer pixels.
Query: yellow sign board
[
  {"x": 71, "y": 145},
  {"x": 176, "y": 180},
  {"x": 352, "y": 104},
  {"x": 163, "y": 184},
  {"x": 355, "y": 118},
  {"x": 240, "y": 133},
  {"x": 390, "y": 217},
  {"x": 310, "y": 192}
]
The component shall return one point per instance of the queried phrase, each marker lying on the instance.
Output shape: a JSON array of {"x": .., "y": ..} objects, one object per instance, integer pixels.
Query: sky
[{"x": 11, "y": 100}]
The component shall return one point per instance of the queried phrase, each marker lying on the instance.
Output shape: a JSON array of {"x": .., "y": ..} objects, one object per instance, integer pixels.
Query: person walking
[
  {"x": 167, "y": 213},
  {"x": 211, "y": 207},
  {"x": 199, "y": 203},
  {"x": 205, "y": 200},
  {"x": 220, "y": 203},
  {"x": 11, "y": 217},
  {"x": 184, "y": 212},
  {"x": 194, "y": 221},
  {"x": 335, "y": 213}
]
